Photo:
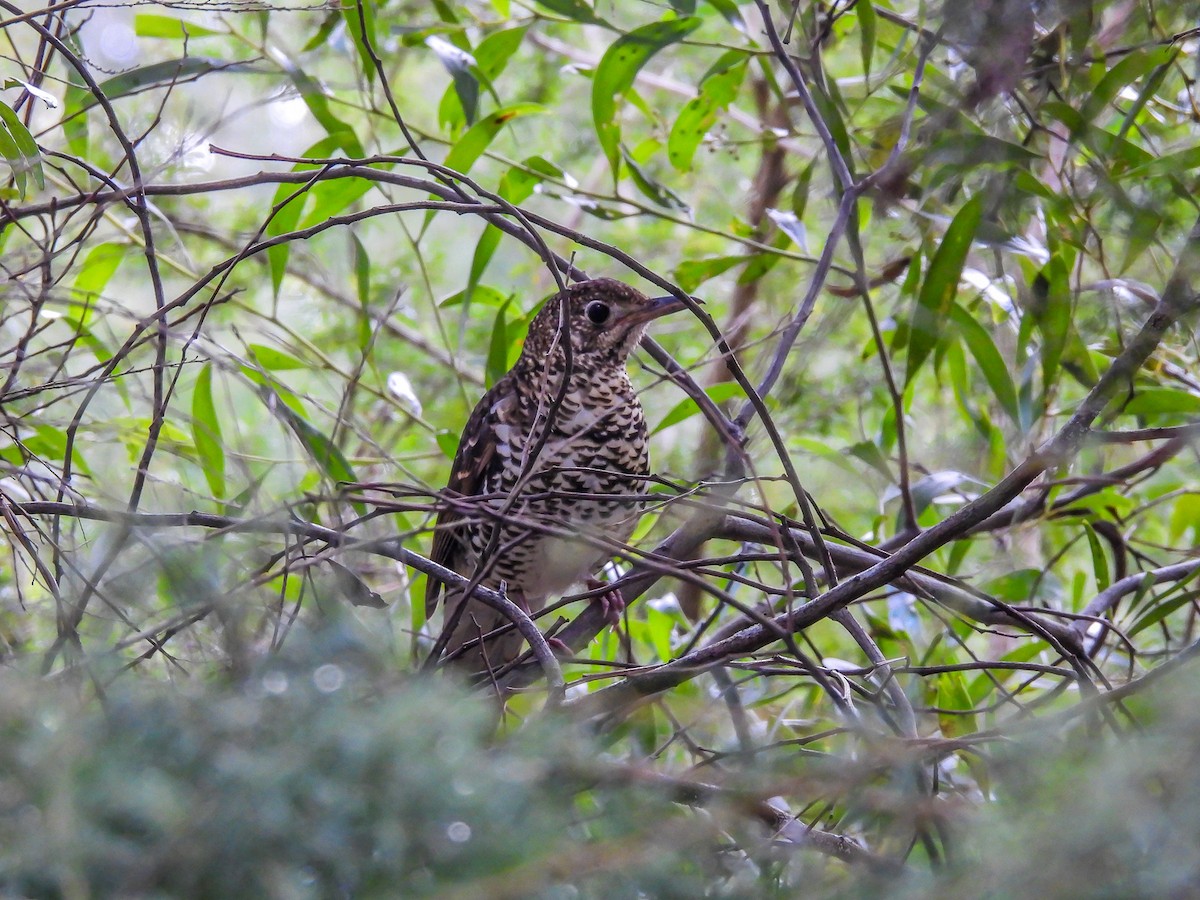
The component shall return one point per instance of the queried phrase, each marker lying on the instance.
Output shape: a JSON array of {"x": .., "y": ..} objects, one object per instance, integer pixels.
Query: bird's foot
[
  {"x": 559, "y": 648},
  {"x": 611, "y": 602}
]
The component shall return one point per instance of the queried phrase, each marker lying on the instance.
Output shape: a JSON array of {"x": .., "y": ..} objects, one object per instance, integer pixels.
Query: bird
[{"x": 549, "y": 472}]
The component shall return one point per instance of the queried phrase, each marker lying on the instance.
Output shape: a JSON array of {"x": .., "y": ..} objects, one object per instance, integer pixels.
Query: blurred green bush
[{"x": 321, "y": 775}]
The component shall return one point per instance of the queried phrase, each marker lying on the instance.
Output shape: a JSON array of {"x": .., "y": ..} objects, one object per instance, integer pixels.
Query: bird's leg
[
  {"x": 557, "y": 647},
  {"x": 611, "y": 602}
]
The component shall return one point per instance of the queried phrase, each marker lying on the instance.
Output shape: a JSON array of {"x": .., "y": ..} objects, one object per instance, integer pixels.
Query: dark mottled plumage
[{"x": 596, "y": 445}]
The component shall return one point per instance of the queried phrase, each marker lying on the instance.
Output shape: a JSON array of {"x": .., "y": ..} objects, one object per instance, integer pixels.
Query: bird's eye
[{"x": 597, "y": 312}]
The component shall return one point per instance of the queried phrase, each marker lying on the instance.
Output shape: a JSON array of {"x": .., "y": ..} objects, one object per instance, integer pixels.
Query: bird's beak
[{"x": 658, "y": 307}]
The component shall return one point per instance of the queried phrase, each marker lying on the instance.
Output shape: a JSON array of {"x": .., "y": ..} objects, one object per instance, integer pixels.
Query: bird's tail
[{"x": 470, "y": 650}]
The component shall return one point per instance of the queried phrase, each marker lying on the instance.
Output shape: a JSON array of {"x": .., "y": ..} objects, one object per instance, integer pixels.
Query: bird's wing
[{"x": 476, "y": 450}]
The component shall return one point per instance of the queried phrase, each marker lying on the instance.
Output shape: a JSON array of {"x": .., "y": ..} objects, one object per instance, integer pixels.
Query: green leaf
[
  {"x": 162, "y": 73},
  {"x": 353, "y": 589},
  {"x": 800, "y": 191},
  {"x": 484, "y": 293},
  {"x": 617, "y": 70},
  {"x": 869, "y": 452},
  {"x": 98, "y": 267},
  {"x": 940, "y": 285},
  {"x": 831, "y": 112},
  {"x": 988, "y": 358},
  {"x": 519, "y": 181},
  {"x": 16, "y": 162},
  {"x": 1050, "y": 308},
  {"x": 325, "y": 453},
  {"x": 823, "y": 450},
  {"x": 575, "y": 10},
  {"x": 1018, "y": 586},
  {"x": 472, "y": 144},
  {"x": 986, "y": 683},
  {"x": 497, "y": 359},
  {"x": 1185, "y": 516},
  {"x": 515, "y": 186},
  {"x": 763, "y": 261},
  {"x": 1099, "y": 562},
  {"x": 321, "y": 35},
  {"x": 969, "y": 150},
  {"x": 152, "y": 26},
  {"x": 730, "y": 12},
  {"x": 1129, "y": 69},
  {"x": 288, "y": 216},
  {"x": 692, "y": 273},
  {"x": 461, "y": 66},
  {"x": 447, "y": 442},
  {"x": 1162, "y": 401},
  {"x": 284, "y": 220},
  {"x": 275, "y": 360},
  {"x": 48, "y": 443},
  {"x": 80, "y": 324},
  {"x": 717, "y": 90},
  {"x": 76, "y": 100},
  {"x": 652, "y": 190},
  {"x": 1104, "y": 504},
  {"x": 206, "y": 433},
  {"x": 327, "y": 199},
  {"x": 1158, "y": 610},
  {"x": 955, "y": 705},
  {"x": 484, "y": 250},
  {"x": 866, "y": 33},
  {"x": 495, "y": 50},
  {"x": 688, "y": 407},
  {"x": 317, "y": 102},
  {"x": 362, "y": 277},
  {"x": 1171, "y": 164},
  {"x": 354, "y": 25},
  {"x": 20, "y": 149}
]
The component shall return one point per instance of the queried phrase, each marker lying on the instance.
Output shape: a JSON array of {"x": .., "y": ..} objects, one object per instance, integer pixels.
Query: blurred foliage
[
  {"x": 325, "y": 775},
  {"x": 287, "y": 329},
  {"x": 320, "y": 777}
]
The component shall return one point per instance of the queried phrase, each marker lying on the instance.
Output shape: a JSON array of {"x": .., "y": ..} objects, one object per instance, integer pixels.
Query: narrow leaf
[
  {"x": 29, "y": 154},
  {"x": 941, "y": 285},
  {"x": 354, "y": 589},
  {"x": 866, "y": 32},
  {"x": 206, "y": 433},
  {"x": 1163, "y": 401},
  {"x": 1129, "y": 69},
  {"x": 274, "y": 360},
  {"x": 989, "y": 360},
  {"x": 354, "y": 25},
  {"x": 687, "y": 407},
  {"x": 576, "y": 10},
  {"x": 152, "y": 26},
  {"x": 1051, "y": 311},
  {"x": 472, "y": 144},
  {"x": 497, "y": 360},
  {"x": 495, "y": 50},
  {"x": 1099, "y": 562},
  {"x": 691, "y": 274},
  {"x": 460, "y": 64},
  {"x": 617, "y": 70},
  {"x": 717, "y": 91},
  {"x": 162, "y": 73}
]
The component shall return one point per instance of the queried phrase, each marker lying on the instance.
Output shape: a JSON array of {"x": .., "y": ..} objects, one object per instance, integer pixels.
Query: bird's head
[{"x": 606, "y": 320}]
